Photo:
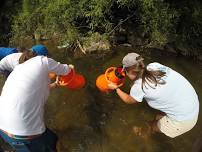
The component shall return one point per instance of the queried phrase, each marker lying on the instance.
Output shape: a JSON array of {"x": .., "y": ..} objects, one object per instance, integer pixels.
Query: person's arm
[
  {"x": 54, "y": 84},
  {"x": 5, "y": 68},
  {"x": 9, "y": 62},
  {"x": 4, "y": 65},
  {"x": 58, "y": 68},
  {"x": 124, "y": 96}
]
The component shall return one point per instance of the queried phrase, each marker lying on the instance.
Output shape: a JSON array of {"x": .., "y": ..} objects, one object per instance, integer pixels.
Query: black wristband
[{"x": 117, "y": 88}]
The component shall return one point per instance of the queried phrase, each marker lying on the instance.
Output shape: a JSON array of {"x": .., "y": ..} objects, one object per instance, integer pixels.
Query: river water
[{"x": 89, "y": 121}]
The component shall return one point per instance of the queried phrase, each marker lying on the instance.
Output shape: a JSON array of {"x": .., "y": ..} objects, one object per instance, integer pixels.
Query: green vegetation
[{"x": 156, "y": 22}]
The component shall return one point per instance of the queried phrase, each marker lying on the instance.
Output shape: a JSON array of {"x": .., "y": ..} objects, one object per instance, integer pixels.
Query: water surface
[{"x": 89, "y": 121}]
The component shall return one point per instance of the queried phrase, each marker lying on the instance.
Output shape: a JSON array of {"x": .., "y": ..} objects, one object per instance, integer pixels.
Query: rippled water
[{"x": 89, "y": 121}]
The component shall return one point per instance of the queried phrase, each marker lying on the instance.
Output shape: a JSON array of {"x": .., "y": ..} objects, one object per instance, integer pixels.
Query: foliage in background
[
  {"x": 157, "y": 21},
  {"x": 189, "y": 27},
  {"x": 5, "y": 19}
]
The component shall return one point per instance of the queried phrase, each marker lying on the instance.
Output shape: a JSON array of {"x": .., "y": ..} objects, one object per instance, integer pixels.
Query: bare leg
[
  {"x": 150, "y": 129},
  {"x": 154, "y": 127},
  {"x": 159, "y": 116}
]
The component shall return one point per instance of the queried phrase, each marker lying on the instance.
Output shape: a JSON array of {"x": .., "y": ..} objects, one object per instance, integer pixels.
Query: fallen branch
[
  {"x": 81, "y": 48},
  {"x": 120, "y": 23}
]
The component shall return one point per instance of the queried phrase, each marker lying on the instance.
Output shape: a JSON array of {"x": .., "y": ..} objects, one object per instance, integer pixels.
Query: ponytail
[
  {"x": 148, "y": 77},
  {"x": 154, "y": 77},
  {"x": 26, "y": 55}
]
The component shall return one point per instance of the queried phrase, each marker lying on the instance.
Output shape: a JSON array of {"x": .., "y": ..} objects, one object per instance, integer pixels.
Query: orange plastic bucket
[
  {"x": 102, "y": 83},
  {"x": 73, "y": 80},
  {"x": 109, "y": 76}
]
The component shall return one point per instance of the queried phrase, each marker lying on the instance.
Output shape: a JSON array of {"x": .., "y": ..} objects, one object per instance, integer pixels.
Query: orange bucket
[
  {"x": 73, "y": 80},
  {"x": 109, "y": 76},
  {"x": 102, "y": 84}
]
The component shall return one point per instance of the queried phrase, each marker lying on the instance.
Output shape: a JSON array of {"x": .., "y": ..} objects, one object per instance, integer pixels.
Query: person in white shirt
[
  {"x": 163, "y": 89},
  {"x": 4, "y": 51},
  {"x": 22, "y": 101},
  {"x": 11, "y": 60}
]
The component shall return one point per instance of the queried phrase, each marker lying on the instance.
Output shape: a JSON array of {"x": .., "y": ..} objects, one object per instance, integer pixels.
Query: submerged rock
[
  {"x": 100, "y": 46},
  {"x": 96, "y": 43},
  {"x": 95, "y": 49}
]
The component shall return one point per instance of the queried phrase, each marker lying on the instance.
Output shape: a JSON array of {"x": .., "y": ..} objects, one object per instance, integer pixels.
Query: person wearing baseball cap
[
  {"x": 23, "y": 98},
  {"x": 11, "y": 58},
  {"x": 39, "y": 49},
  {"x": 159, "y": 86},
  {"x": 131, "y": 59}
]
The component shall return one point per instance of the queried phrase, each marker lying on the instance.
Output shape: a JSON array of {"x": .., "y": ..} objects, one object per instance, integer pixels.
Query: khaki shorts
[{"x": 173, "y": 128}]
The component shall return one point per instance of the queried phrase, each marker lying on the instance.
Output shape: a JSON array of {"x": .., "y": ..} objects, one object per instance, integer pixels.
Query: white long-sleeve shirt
[
  {"x": 9, "y": 62},
  {"x": 24, "y": 95}
]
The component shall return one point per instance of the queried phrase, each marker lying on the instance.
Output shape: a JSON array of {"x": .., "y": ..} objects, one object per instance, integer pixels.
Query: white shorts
[{"x": 173, "y": 128}]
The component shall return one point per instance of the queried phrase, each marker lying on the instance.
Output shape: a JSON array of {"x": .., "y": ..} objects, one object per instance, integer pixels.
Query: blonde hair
[{"x": 26, "y": 55}]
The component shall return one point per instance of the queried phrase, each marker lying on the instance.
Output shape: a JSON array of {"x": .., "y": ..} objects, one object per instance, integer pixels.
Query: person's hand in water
[
  {"x": 112, "y": 86},
  {"x": 62, "y": 83},
  {"x": 58, "y": 82},
  {"x": 54, "y": 84}
]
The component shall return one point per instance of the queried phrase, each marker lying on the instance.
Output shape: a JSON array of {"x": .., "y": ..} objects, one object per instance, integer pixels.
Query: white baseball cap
[{"x": 131, "y": 59}]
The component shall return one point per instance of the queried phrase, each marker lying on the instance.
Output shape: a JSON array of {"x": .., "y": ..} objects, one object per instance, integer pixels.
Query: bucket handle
[{"x": 106, "y": 75}]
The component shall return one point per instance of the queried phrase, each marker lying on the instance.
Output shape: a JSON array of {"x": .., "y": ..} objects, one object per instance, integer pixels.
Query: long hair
[
  {"x": 26, "y": 55},
  {"x": 148, "y": 77}
]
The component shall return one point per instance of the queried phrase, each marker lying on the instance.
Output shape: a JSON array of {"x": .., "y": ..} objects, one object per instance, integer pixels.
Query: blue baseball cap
[{"x": 40, "y": 49}]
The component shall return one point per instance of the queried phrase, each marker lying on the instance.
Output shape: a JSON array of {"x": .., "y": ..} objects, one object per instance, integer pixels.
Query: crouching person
[{"x": 22, "y": 101}]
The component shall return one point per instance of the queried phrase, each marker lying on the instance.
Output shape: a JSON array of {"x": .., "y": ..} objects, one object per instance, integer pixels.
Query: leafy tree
[{"x": 157, "y": 21}]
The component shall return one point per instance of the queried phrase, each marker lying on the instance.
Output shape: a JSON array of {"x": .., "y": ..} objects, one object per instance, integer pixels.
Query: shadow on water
[{"x": 89, "y": 121}]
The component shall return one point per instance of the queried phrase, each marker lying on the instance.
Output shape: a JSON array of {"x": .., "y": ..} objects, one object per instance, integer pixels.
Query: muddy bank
[
  {"x": 131, "y": 40},
  {"x": 104, "y": 48}
]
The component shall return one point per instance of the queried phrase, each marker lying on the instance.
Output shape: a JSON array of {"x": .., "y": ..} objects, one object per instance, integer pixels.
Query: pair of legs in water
[
  {"x": 166, "y": 125},
  {"x": 150, "y": 128}
]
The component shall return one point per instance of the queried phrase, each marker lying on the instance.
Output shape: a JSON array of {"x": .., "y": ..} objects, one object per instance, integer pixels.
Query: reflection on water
[{"x": 89, "y": 121}]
